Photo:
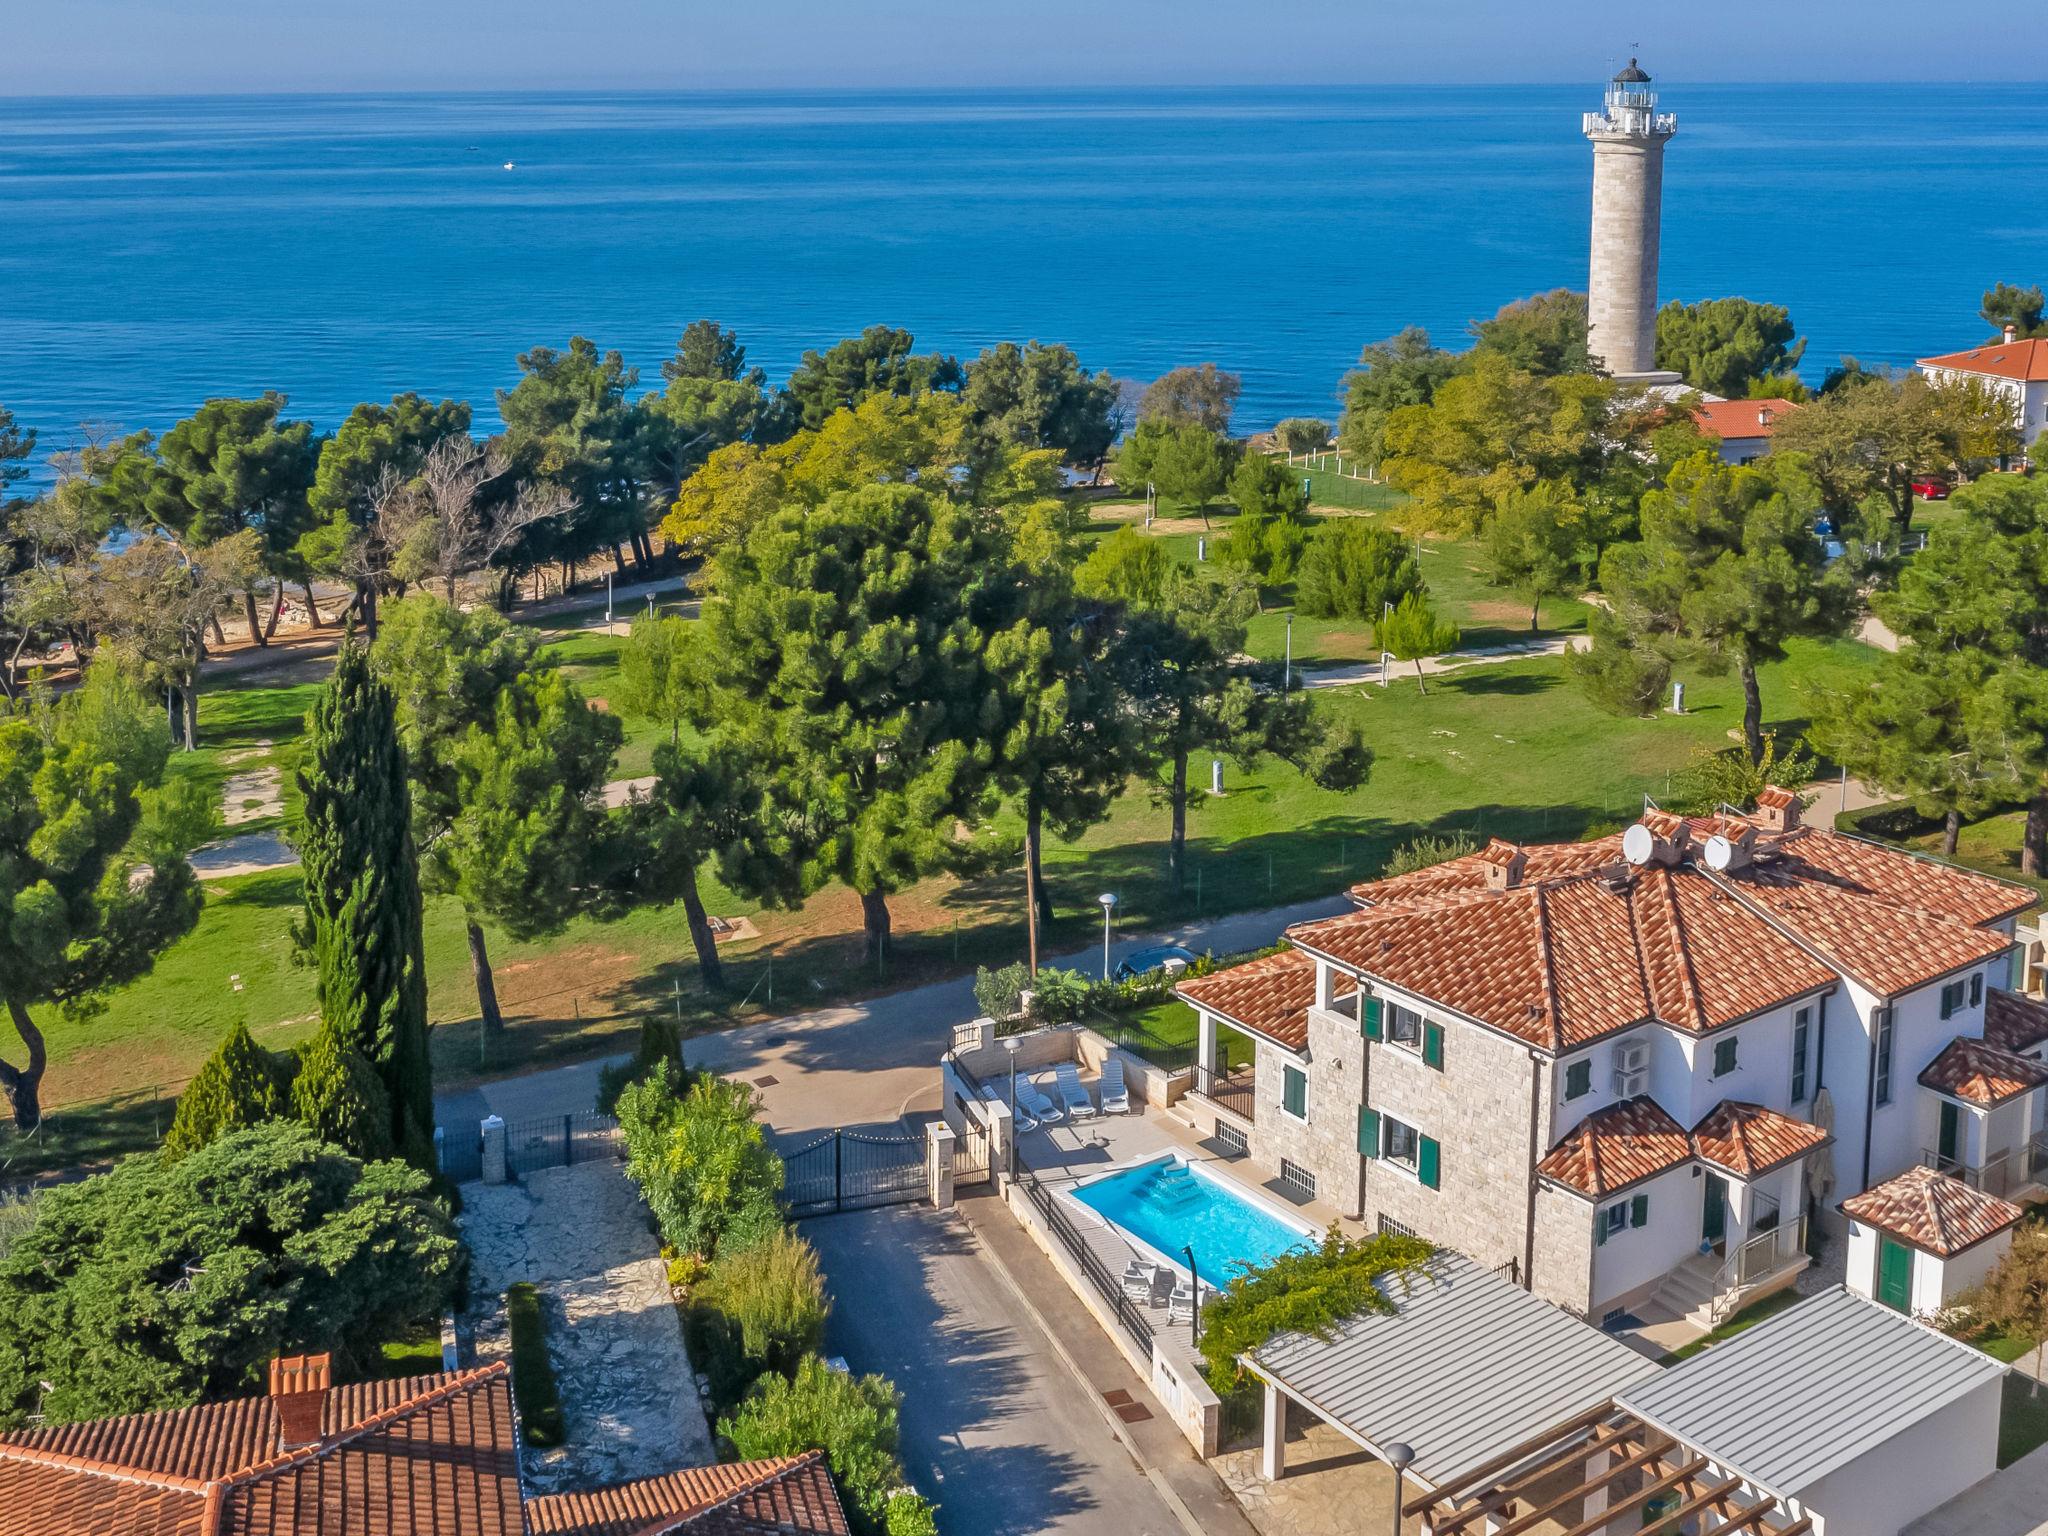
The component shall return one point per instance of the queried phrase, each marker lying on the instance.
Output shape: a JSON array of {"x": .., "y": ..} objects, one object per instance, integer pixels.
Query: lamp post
[
  {"x": 1010, "y": 1044},
  {"x": 607, "y": 597},
  {"x": 1195, "y": 1312},
  {"x": 1398, "y": 1457},
  {"x": 1287, "y": 667},
  {"x": 1108, "y": 900}
]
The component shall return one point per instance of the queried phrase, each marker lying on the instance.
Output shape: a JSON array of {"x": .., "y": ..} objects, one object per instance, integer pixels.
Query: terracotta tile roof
[
  {"x": 1978, "y": 1072},
  {"x": 789, "y": 1494},
  {"x": 1933, "y": 1211},
  {"x": 1542, "y": 861},
  {"x": 1615, "y": 1147},
  {"x": 1747, "y": 1139},
  {"x": 432, "y": 1453},
  {"x": 1741, "y": 418},
  {"x": 1269, "y": 996},
  {"x": 1565, "y": 960},
  {"x": 2013, "y": 1022},
  {"x": 2024, "y": 360}
]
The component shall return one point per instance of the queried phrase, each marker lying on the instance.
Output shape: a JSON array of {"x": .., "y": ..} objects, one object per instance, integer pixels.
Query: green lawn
[
  {"x": 2023, "y": 1418},
  {"x": 1165, "y": 1034}
]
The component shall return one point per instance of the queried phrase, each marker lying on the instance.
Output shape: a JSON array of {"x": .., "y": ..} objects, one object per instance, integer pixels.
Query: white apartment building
[{"x": 2018, "y": 370}]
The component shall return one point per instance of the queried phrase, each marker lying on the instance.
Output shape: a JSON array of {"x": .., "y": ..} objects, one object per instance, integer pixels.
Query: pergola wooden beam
[
  {"x": 1717, "y": 1494},
  {"x": 1507, "y": 1459},
  {"x": 1750, "y": 1519},
  {"x": 1614, "y": 1437},
  {"x": 1637, "y": 1499},
  {"x": 1536, "y": 1517}
]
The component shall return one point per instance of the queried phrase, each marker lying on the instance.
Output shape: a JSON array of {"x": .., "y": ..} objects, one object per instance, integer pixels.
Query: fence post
[
  {"x": 837, "y": 1195},
  {"x": 567, "y": 1132},
  {"x": 939, "y": 1147},
  {"x": 494, "y": 1149}
]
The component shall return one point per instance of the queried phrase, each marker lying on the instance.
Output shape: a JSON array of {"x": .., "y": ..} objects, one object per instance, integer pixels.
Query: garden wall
[{"x": 989, "y": 1059}]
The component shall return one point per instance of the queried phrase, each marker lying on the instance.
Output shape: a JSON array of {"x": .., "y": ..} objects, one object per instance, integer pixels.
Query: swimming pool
[{"x": 1168, "y": 1204}]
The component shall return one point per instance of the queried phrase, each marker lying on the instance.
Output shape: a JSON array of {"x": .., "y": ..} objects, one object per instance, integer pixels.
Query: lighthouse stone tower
[{"x": 1629, "y": 135}]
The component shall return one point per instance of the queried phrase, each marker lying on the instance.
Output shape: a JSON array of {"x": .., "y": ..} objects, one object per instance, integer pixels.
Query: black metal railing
[
  {"x": 1109, "y": 1286},
  {"x": 1235, "y": 1091},
  {"x": 558, "y": 1141},
  {"x": 851, "y": 1170},
  {"x": 462, "y": 1153}
]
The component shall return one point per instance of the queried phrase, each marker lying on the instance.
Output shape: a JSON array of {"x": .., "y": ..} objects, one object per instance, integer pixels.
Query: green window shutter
[
  {"x": 1599, "y": 1227},
  {"x": 1370, "y": 1015},
  {"x": 1368, "y": 1132},
  {"x": 1976, "y": 989},
  {"x": 1639, "y": 1211},
  {"x": 1426, "y": 1161},
  {"x": 1294, "y": 1091},
  {"x": 1948, "y": 1001},
  {"x": 1433, "y": 1045}
]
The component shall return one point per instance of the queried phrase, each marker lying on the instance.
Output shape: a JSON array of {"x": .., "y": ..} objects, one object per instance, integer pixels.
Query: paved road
[
  {"x": 996, "y": 1430},
  {"x": 858, "y": 1064}
]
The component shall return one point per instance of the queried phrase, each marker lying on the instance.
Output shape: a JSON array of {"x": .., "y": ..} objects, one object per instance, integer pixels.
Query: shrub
[
  {"x": 241, "y": 1085},
  {"x": 910, "y": 1514},
  {"x": 1427, "y": 850},
  {"x": 1353, "y": 570},
  {"x": 660, "y": 1041},
  {"x": 1717, "y": 776},
  {"x": 1303, "y": 434},
  {"x": 999, "y": 993},
  {"x": 340, "y": 1098},
  {"x": 533, "y": 1373},
  {"x": 169, "y": 1281},
  {"x": 853, "y": 1420},
  {"x": 699, "y": 1157},
  {"x": 762, "y": 1309},
  {"x": 1060, "y": 997},
  {"x": 758, "y": 1221},
  {"x": 1619, "y": 673},
  {"x": 17, "y": 1217}
]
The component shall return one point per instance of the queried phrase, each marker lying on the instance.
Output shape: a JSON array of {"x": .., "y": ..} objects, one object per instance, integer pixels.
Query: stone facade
[
  {"x": 1476, "y": 1107},
  {"x": 1621, "y": 284},
  {"x": 1562, "y": 1270},
  {"x": 1326, "y": 1143}
]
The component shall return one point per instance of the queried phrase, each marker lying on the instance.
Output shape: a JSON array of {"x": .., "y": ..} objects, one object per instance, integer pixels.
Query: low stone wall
[{"x": 990, "y": 1059}]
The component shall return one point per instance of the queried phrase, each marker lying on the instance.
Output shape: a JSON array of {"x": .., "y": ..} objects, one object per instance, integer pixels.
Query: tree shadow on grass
[{"x": 1486, "y": 681}]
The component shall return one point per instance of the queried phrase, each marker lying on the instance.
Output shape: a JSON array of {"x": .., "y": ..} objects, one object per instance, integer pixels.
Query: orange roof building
[
  {"x": 1635, "y": 1067},
  {"x": 1743, "y": 426},
  {"x": 382, "y": 1458},
  {"x": 2014, "y": 368}
]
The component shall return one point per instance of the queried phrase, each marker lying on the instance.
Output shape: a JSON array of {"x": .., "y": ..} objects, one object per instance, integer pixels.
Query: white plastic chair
[
  {"x": 1072, "y": 1093},
  {"x": 1116, "y": 1095}
]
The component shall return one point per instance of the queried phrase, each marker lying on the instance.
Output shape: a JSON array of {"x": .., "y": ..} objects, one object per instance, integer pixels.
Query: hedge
[{"x": 533, "y": 1374}]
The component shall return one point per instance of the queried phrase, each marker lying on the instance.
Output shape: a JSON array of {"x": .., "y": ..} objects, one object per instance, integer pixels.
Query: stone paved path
[{"x": 628, "y": 1394}]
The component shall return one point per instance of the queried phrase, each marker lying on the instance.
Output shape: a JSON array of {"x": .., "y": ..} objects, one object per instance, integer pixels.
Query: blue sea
[{"x": 154, "y": 252}]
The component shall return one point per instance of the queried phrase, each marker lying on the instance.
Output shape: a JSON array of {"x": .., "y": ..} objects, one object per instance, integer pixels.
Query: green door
[
  {"x": 1950, "y": 1125},
  {"x": 1894, "y": 1274},
  {"x": 1714, "y": 1218}
]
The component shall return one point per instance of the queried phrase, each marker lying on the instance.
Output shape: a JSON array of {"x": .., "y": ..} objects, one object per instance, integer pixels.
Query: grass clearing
[{"x": 2022, "y": 1418}]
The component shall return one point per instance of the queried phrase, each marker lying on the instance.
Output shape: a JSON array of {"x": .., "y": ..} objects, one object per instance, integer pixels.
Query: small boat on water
[{"x": 509, "y": 164}]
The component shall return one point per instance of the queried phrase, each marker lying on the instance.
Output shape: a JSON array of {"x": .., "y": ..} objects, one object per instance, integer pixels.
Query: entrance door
[
  {"x": 1714, "y": 1216},
  {"x": 1894, "y": 1274},
  {"x": 1950, "y": 1138}
]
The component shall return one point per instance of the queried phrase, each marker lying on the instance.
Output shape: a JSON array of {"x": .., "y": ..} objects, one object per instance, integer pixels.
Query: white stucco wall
[
  {"x": 1894, "y": 1483},
  {"x": 2029, "y": 398},
  {"x": 1936, "y": 1282},
  {"x": 1637, "y": 1256}
]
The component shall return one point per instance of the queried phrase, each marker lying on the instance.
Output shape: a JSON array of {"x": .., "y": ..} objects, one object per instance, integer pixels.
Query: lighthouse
[{"x": 1629, "y": 135}]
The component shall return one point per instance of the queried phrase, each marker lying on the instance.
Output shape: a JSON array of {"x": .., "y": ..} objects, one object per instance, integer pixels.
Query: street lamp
[
  {"x": 1108, "y": 900},
  {"x": 1010, "y": 1044},
  {"x": 1195, "y": 1285},
  {"x": 1287, "y": 667},
  {"x": 1398, "y": 1457}
]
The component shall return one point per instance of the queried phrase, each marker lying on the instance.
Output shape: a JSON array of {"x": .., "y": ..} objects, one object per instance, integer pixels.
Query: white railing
[
  {"x": 1761, "y": 1257},
  {"x": 1635, "y": 122}
]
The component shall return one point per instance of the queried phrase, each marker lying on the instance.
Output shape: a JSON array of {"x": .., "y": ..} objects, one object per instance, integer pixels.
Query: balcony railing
[
  {"x": 1234, "y": 1091},
  {"x": 2003, "y": 1173}
]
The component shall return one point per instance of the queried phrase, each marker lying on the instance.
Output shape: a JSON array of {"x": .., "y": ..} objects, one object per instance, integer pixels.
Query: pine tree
[
  {"x": 239, "y": 1086},
  {"x": 362, "y": 926},
  {"x": 339, "y": 1096}
]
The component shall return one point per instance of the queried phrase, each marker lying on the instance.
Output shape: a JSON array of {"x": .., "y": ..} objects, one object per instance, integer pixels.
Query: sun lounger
[
  {"x": 1030, "y": 1096},
  {"x": 1116, "y": 1097},
  {"x": 1180, "y": 1305},
  {"x": 1024, "y": 1120},
  {"x": 1139, "y": 1278},
  {"x": 1072, "y": 1094}
]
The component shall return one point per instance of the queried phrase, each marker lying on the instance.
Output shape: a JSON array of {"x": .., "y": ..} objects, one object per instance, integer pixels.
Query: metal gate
[
  {"x": 847, "y": 1170},
  {"x": 970, "y": 1154},
  {"x": 557, "y": 1141},
  {"x": 461, "y": 1151}
]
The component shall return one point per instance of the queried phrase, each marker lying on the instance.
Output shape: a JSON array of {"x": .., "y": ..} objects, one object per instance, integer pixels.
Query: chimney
[
  {"x": 1504, "y": 863},
  {"x": 1777, "y": 810},
  {"x": 1763, "y": 415},
  {"x": 2012, "y": 333},
  {"x": 298, "y": 1390},
  {"x": 1669, "y": 833}
]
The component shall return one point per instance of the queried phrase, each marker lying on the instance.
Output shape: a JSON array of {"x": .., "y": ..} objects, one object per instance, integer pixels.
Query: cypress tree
[
  {"x": 239, "y": 1086},
  {"x": 362, "y": 925},
  {"x": 340, "y": 1097}
]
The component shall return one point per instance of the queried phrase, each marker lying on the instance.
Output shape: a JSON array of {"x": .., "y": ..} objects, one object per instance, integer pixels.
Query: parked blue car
[{"x": 1142, "y": 962}]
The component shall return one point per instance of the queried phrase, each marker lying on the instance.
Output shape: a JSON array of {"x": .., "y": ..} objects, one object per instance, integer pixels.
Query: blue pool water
[{"x": 1169, "y": 1205}]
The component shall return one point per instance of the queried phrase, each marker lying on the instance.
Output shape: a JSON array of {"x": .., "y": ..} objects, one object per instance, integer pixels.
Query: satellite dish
[
  {"x": 1719, "y": 852},
  {"x": 1637, "y": 844}
]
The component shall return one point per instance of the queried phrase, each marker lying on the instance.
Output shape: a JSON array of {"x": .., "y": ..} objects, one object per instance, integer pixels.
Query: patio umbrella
[{"x": 1820, "y": 1167}]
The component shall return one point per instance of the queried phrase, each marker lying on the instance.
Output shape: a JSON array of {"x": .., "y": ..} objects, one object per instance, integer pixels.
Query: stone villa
[{"x": 1635, "y": 1068}]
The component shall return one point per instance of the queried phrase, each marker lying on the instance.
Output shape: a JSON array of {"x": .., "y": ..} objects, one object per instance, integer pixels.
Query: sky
[{"x": 66, "y": 47}]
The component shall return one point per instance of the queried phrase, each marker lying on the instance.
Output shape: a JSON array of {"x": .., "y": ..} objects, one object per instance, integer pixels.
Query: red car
[{"x": 1931, "y": 488}]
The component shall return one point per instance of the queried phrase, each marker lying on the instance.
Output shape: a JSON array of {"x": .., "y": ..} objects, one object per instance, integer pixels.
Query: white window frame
[
  {"x": 1616, "y": 1218},
  {"x": 1881, "y": 1044},
  {"x": 1802, "y": 1052},
  {"x": 1397, "y": 1017},
  {"x": 1410, "y": 1165},
  {"x": 1285, "y": 1068}
]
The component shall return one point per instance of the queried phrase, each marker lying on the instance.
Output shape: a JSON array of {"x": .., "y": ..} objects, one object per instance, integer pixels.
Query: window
[
  {"x": 1298, "y": 1179},
  {"x": 1404, "y": 1027},
  {"x": 1294, "y": 1092},
  {"x": 1578, "y": 1079},
  {"x": 1884, "y": 1055},
  {"x": 1724, "y": 1056},
  {"x": 1233, "y": 1141},
  {"x": 1403, "y": 1146},
  {"x": 1399, "y": 1143},
  {"x": 1388, "y": 1227},
  {"x": 1620, "y": 1216},
  {"x": 1976, "y": 989},
  {"x": 1952, "y": 995},
  {"x": 1802, "y": 1035}
]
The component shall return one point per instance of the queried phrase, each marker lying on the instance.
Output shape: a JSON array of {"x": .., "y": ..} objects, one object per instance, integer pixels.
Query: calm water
[
  {"x": 1169, "y": 1206},
  {"x": 155, "y": 252}
]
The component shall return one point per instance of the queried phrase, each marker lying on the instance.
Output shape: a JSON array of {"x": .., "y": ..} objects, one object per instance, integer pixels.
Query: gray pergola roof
[
  {"x": 1796, "y": 1397},
  {"x": 1464, "y": 1369}
]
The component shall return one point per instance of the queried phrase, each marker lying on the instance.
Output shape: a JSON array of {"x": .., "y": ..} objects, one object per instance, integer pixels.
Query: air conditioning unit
[
  {"x": 1628, "y": 1084},
  {"x": 1632, "y": 1055}
]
